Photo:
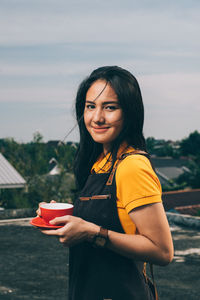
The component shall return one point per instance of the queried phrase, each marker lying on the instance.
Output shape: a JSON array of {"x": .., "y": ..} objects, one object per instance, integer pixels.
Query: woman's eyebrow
[{"x": 104, "y": 102}]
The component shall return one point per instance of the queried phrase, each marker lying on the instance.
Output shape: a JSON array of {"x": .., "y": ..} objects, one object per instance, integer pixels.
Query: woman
[{"x": 119, "y": 222}]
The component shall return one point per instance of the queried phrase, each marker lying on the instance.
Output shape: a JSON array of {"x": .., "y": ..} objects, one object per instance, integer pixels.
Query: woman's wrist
[
  {"x": 101, "y": 239},
  {"x": 97, "y": 235},
  {"x": 92, "y": 231}
]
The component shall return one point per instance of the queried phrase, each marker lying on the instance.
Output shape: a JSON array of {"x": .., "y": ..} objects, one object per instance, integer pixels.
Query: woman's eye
[
  {"x": 111, "y": 107},
  {"x": 90, "y": 106}
]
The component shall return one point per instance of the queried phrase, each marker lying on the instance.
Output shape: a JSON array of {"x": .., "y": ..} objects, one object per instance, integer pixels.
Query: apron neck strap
[{"x": 122, "y": 156}]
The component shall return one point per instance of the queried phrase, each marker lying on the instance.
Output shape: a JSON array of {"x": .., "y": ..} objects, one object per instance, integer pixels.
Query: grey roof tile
[{"x": 9, "y": 177}]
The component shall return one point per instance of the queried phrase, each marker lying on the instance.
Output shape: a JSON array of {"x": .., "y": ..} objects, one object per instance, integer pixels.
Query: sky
[{"x": 47, "y": 47}]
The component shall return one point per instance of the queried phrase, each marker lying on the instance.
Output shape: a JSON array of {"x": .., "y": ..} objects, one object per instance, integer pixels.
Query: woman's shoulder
[
  {"x": 136, "y": 167},
  {"x": 134, "y": 161},
  {"x": 136, "y": 170}
]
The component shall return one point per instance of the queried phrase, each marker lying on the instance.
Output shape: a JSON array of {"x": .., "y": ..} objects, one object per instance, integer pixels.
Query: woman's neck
[{"x": 106, "y": 149}]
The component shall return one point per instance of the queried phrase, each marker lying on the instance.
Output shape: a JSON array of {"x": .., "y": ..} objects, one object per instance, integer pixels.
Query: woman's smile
[
  {"x": 103, "y": 115},
  {"x": 100, "y": 129}
]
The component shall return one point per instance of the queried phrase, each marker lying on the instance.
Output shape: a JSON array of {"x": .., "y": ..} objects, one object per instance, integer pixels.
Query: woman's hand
[
  {"x": 38, "y": 211},
  {"x": 74, "y": 231}
]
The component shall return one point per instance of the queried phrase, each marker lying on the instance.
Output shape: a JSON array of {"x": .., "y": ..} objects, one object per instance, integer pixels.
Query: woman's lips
[{"x": 100, "y": 129}]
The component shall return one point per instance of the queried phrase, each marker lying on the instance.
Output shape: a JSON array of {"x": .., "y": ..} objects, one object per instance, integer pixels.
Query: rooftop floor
[{"x": 34, "y": 266}]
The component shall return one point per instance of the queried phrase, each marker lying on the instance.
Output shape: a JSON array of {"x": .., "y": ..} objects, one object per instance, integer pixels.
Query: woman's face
[{"x": 103, "y": 115}]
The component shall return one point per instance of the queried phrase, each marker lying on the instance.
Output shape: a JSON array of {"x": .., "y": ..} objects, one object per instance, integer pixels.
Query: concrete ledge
[
  {"x": 185, "y": 220},
  {"x": 179, "y": 219},
  {"x": 16, "y": 222},
  {"x": 17, "y": 213}
]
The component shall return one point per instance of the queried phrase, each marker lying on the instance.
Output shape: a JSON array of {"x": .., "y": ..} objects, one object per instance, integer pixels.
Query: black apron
[{"x": 99, "y": 273}]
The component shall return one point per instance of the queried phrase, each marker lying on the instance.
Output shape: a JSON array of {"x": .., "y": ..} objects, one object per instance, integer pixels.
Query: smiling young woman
[
  {"x": 103, "y": 115},
  {"x": 118, "y": 223}
]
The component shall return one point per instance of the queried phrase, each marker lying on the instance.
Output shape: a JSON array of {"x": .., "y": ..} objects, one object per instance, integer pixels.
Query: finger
[
  {"x": 65, "y": 241},
  {"x": 51, "y": 232},
  {"x": 60, "y": 220},
  {"x": 62, "y": 240},
  {"x": 38, "y": 211},
  {"x": 52, "y": 201}
]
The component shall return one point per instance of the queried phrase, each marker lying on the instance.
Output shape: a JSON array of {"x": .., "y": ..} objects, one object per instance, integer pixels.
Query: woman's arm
[{"x": 152, "y": 243}]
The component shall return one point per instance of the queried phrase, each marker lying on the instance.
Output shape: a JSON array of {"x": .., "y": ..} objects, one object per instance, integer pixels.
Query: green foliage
[
  {"x": 45, "y": 188},
  {"x": 14, "y": 198},
  {"x": 191, "y": 178},
  {"x": 162, "y": 148},
  {"x": 191, "y": 144},
  {"x": 40, "y": 188},
  {"x": 166, "y": 150},
  {"x": 31, "y": 160},
  {"x": 37, "y": 137},
  {"x": 150, "y": 143},
  {"x": 174, "y": 186}
]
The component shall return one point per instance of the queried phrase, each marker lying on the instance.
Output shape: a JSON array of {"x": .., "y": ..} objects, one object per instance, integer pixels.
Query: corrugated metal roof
[
  {"x": 9, "y": 177},
  {"x": 160, "y": 162},
  {"x": 170, "y": 172}
]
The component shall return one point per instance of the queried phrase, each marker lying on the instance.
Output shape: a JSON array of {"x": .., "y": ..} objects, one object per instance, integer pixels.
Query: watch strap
[
  {"x": 102, "y": 236},
  {"x": 103, "y": 232}
]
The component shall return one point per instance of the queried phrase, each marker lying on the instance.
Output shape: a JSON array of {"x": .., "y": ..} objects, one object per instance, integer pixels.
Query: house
[
  {"x": 9, "y": 176},
  {"x": 168, "y": 168},
  {"x": 54, "y": 168}
]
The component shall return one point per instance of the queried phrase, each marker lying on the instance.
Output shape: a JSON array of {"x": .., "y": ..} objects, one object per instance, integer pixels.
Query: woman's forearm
[
  {"x": 139, "y": 247},
  {"x": 135, "y": 246},
  {"x": 152, "y": 242}
]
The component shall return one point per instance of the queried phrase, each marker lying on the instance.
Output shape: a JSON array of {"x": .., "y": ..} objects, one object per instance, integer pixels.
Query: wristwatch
[{"x": 101, "y": 238}]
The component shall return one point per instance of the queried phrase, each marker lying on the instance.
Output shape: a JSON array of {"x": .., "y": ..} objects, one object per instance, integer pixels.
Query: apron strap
[
  {"x": 112, "y": 173},
  {"x": 154, "y": 284},
  {"x": 151, "y": 282}
]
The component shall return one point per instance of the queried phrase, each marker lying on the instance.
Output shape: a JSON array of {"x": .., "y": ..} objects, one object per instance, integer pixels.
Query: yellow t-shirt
[{"x": 136, "y": 184}]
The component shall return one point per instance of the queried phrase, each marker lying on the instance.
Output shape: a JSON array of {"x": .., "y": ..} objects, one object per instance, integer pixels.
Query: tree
[
  {"x": 191, "y": 144},
  {"x": 192, "y": 178},
  {"x": 150, "y": 143},
  {"x": 37, "y": 137}
]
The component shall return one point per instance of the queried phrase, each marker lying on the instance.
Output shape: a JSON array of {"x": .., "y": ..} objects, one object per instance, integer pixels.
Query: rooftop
[
  {"x": 9, "y": 177},
  {"x": 168, "y": 168},
  {"x": 39, "y": 267}
]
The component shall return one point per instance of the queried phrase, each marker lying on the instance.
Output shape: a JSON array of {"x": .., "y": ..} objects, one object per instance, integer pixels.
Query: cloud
[
  {"x": 176, "y": 90},
  {"x": 49, "y": 46},
  {"x": 35, "y": 24},
  {"x": 172, "y": 105},
  {"x": 40, "y": 70},
  {"x": 20, "y": 120},
  {"x": 47, "y": 95}
]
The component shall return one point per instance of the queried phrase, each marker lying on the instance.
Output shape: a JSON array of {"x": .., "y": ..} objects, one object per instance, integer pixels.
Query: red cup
[{"x": 50, "y": 211}]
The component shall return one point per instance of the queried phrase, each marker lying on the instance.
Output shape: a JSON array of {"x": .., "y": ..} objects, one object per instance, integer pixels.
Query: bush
[{"x": 40, "y": 188}]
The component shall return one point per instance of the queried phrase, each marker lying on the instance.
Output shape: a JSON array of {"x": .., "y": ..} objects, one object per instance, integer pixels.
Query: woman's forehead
[{"x": 101, "y": 89}]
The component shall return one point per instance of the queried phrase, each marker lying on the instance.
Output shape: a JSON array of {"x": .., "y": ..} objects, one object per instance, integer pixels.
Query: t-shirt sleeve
[{"x": 136, "y": 183}]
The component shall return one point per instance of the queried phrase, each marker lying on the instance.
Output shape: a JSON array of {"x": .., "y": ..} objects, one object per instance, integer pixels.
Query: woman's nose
[{"x": 98, "y": 115}]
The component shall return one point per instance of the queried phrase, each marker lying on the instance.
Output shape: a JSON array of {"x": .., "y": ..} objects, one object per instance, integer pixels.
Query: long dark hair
[{"x": 129, "y": 96}]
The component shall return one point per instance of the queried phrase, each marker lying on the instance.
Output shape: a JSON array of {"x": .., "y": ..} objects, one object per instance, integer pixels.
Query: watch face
[{"x": 100, "y": 241}]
